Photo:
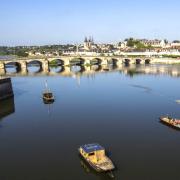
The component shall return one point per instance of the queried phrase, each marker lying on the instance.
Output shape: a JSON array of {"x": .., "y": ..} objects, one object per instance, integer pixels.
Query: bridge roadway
[{"x": 44, "y": 62}]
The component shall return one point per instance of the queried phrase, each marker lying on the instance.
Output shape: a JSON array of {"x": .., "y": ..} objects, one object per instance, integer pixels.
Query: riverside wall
[{"x": 6, "y": 90}]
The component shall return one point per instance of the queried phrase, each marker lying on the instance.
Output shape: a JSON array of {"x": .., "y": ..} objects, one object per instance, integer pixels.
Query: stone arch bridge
[{"x": 44, "y": 63}]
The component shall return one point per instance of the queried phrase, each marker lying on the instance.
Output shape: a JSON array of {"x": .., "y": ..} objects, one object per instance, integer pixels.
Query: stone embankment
[{"x": 6, "y": 90}]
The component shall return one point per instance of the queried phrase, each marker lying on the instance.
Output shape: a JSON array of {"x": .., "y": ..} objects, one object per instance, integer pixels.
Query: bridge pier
[
  {"x": 23, "y": 67},
  {"x": 87, "y": 68},
  {"x": 104, "y": 62},
  {"x": 119, "y": 62},
  {"x": 87, "y": 62},
  {"x": 132, "y": 61},
  {"x": 67, "y": 70},
  {"x": 2, "y": 68},
  {"x": 67, "y": 62},
  {"x": 45, "y": 66}
]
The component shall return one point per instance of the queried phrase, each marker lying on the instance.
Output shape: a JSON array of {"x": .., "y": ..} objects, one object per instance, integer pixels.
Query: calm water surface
[{"x": 118, "y": 109}]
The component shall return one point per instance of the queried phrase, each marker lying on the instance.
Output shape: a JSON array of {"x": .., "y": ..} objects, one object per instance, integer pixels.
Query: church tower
[{"x": 88, "y": 43}]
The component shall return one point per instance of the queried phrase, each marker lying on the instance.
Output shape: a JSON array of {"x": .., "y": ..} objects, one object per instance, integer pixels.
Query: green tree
[
  {"x": 21, "y": 53},
  {"x": 130, "y": 42}
]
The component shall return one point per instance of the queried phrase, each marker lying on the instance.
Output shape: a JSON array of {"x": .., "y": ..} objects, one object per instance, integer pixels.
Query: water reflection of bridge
[{"x": 171, "y": 70}]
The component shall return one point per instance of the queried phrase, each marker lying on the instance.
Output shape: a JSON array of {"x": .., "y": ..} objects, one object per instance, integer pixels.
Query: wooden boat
[
  {"x": 170, "y": 121},
  {"x": 48, "y": 97},
  {"x": 95, "y": 156}
]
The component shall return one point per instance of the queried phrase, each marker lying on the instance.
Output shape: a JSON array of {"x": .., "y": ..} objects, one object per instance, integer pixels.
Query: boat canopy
[{"x": 89, "y": 148}]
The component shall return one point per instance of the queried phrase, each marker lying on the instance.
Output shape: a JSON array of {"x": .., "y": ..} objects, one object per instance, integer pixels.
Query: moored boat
[
  {"x": 95, "y": 156},
  {"x": 48, "y": 96},
  {"x": 171, "y": 121}
]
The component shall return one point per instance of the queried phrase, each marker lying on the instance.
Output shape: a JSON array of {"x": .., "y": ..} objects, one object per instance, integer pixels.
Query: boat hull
[
  {"x": 92, "y": 165},
  {"x": 162, "y": 120},
  {"x": 48, "y": 101}
]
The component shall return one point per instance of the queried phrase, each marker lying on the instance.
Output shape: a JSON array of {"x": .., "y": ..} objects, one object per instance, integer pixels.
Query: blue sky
[{"x": 37, "y": 22}]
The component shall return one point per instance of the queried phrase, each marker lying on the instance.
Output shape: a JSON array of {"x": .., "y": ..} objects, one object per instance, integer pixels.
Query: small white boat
[{"x": 95, "y": 156}]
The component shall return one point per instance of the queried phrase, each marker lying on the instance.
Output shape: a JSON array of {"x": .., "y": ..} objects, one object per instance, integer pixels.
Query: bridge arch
[
  {"x": 77, "y": 61},
  {"x": 34, "y": 62},
  {"x": 58, "y": 69},
  {"x": 96, "y": 61},
  {"x": 77, "y": 69},
  {"x": 96, "y": 67},
  {"x": 147, "y": 61},
  {"x": 113, "y": 61},
  {"x": 34, "y": 66},
  {"x": 57, "y": 62},
  {"x": 15, "y": 65},
  {"x": 138, "y": 61},
  {"x": 127, "y": 61}
]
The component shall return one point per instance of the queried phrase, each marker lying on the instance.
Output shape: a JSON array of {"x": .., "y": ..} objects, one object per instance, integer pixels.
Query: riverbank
[{"x": 166, "y": 60}]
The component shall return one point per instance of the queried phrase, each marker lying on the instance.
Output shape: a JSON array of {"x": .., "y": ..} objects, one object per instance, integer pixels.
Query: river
[{"x": 116, "y": 107}]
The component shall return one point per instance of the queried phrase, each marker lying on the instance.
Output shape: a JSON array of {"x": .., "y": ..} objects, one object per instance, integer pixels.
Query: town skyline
[{"x": 80, "y": 42}]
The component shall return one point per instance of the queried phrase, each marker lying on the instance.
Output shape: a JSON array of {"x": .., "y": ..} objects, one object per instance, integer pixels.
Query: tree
[
  {"x": 21, "y": 53},
  {"x": 130, "y": 42},
  {"x": 176, "y": 41}
]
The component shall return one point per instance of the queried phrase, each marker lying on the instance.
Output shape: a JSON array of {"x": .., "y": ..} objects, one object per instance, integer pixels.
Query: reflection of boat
[
  {"x": 171, "y": 122},
  {"x": 48, "y": 97},
  {"x": 89, "y": 170},
  {"x": 95, "y": 156}
]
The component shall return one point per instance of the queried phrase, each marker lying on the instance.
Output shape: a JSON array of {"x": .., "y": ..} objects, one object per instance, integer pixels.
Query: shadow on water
[{"x": 7, "y": 108}]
